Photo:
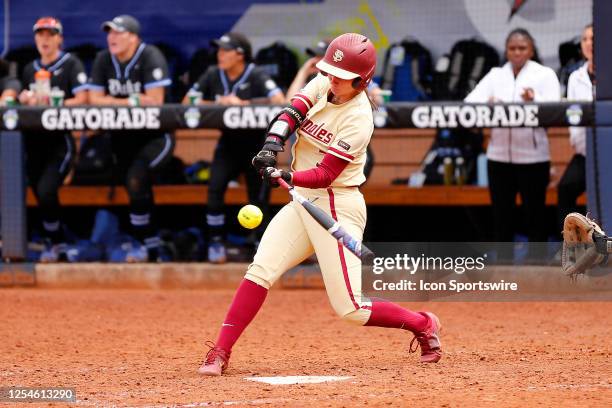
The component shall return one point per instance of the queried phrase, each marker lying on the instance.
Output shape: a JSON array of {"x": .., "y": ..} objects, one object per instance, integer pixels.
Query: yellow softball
[{"x": 250, "y": 216}]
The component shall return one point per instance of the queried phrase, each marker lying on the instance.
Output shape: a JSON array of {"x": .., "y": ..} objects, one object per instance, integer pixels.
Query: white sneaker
[
  {"x": 137, "y": 254},
  {"x": 53, "y": 253},
  {"x": 217, "y": 253}
]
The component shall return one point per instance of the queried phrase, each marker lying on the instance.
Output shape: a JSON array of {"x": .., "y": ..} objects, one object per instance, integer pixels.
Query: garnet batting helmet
[{"x": 350, "y": 56}]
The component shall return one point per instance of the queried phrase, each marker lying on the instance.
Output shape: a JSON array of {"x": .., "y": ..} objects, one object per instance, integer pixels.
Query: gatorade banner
[{"x": 394, "y": 115}]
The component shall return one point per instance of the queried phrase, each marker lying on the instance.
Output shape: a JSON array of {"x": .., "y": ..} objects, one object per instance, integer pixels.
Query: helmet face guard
[{"x": 350, "y": 56}]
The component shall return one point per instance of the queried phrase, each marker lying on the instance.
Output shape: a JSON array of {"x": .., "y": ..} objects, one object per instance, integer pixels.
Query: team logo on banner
[
  {"x": 380, "y": 117},
  {"x": 10, "y": 118},
  {"x": 574, "y": 114},
  {"x": 192, "y": 117}
]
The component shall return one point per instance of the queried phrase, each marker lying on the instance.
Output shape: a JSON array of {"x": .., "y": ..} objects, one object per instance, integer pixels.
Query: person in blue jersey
[
  {"x": 235, "y": 80},
  {"x": 131, "y": 72},
  {"x": 49, "y": 156}
]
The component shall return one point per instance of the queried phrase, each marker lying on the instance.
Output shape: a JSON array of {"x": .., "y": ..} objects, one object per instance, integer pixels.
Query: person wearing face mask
[
  {"x": 580, "y": 87},
  {"x": 49, "y": 156},
  {"x": 518, "y": 158},
  {"x": 131, "y": 72}
]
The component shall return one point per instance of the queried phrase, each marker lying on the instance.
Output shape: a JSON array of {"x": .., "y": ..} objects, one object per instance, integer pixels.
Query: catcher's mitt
[{"x": 584, "y": 244}]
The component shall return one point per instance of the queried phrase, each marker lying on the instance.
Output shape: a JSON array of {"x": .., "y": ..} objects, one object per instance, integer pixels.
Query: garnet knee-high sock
[
  {"x": 247, "y": 301},
  {"x": 387, "y": 314}
]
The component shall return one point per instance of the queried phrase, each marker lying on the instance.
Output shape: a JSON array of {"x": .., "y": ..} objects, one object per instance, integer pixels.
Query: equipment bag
[
  {"x": 279, "y": 62},
  {"x": 407, "y": 71},
  {"x": 469, "y": 61},
  {"x": 95, "y": 162},
  {"x": 453, "y": 143}
]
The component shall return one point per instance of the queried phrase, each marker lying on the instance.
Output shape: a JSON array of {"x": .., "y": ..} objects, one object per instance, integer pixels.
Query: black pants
[
  {"x": 138, "y": 157},
  {"x": 232, "y": 157},
  {"x": 49, "y": 158},
  {"x": 571, "y": 186},
  {"x": 531, "y": 182}
]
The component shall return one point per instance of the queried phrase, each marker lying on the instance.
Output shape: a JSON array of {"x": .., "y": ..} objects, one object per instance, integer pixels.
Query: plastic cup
[
  {"x": 195, "y": 97},
  {"x": 10, "y": 101},
  {"x": 57, "y": 97},
  {"x": 386, "y": 95},
  {"x": 134, "y": 99}
]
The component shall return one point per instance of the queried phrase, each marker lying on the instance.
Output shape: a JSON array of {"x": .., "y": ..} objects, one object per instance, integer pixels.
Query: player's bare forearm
[
  {"x": 153, "y": 96},
  {"x": 99, "y": 98},
  {"x": 277, "y": 99},
  {"x": 79, "y": 99}
]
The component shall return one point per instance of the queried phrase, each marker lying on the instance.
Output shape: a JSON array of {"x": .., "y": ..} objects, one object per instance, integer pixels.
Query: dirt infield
[{"x": 142, "y": 347}]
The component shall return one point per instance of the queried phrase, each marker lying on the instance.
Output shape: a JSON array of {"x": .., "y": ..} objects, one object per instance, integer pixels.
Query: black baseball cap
[
  {"x": 235, "y": 41},
  {"x": 318, "y": 50},
  {"x": 122, "y": 24}
]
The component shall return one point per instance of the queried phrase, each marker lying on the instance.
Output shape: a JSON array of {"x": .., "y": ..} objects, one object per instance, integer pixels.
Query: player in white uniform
[{"x": 333, "y": 118}]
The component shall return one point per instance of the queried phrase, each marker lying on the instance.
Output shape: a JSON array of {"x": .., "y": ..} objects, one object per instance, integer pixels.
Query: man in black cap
[
  {"x": 235, "y": 80},
  {"x": 131, "y": 72}
]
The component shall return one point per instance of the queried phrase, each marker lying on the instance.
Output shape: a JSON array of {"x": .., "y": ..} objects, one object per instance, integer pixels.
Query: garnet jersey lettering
[
  {"x": 317, "y": 131},
  {"x": 342, "y": 130},
  {"x": 146, "y": 69}
]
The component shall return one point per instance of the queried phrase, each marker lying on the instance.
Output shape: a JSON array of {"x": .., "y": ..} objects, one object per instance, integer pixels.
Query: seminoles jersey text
[{"x": 317, "y": 131}]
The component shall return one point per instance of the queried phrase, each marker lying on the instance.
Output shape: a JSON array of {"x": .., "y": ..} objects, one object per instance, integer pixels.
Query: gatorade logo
[
  {"x": 101, "y": 118},
  {"x": 468, "y": 116}
]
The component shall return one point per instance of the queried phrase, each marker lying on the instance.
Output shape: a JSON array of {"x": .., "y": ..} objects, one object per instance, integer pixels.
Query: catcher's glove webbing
[{"x": 585, "y": 245}]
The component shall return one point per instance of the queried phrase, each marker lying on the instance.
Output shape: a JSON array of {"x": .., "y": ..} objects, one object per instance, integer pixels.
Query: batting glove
[
  {"x": 264, "y": 159},
  {"x": 271, "y": 176}
]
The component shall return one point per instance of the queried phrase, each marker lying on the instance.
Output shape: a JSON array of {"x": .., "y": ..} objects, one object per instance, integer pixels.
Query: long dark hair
[{"x": 523, "y": 32}]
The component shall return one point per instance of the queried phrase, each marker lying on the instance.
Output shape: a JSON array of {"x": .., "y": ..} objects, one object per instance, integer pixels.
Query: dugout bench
[{"x": 397, "y": 152}]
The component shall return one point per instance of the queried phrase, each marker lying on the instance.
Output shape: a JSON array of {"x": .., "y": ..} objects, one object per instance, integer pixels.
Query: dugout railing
[{"x": 404, "y": 132}]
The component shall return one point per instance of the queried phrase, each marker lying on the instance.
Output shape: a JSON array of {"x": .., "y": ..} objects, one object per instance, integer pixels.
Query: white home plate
[{"x": 297, "y": 379}]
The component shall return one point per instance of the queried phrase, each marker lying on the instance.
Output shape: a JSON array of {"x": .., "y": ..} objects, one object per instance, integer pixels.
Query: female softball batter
[{"x": 333, "y": 118}]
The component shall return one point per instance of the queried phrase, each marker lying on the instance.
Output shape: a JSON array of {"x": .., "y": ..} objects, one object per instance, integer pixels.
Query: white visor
[{"x": 335, "y": 71}]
